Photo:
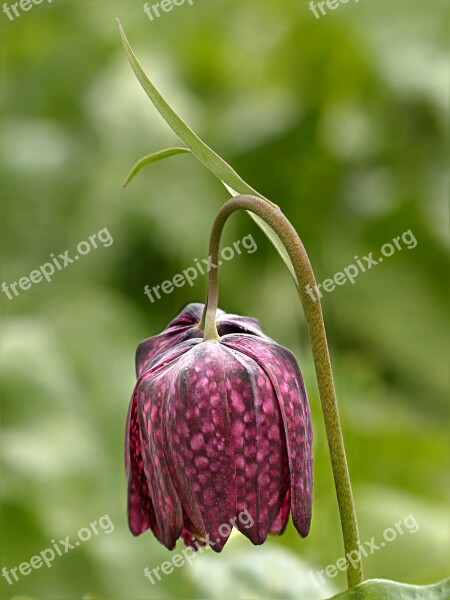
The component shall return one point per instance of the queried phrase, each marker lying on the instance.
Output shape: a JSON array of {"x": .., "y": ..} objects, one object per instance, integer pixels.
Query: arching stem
[{"x": 313, "y": 312}]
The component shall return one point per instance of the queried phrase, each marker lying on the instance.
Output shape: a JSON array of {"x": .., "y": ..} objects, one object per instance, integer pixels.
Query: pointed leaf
[
  {"x": 204, "y": 153},
  {"x": 212, "y": 161},
  {"x": 379, "y": 589},
  {"x": 152, "y": 158}
]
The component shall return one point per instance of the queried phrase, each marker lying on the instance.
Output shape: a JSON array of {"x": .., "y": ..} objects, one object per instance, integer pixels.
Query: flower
[{"x": 216, "y": 429}]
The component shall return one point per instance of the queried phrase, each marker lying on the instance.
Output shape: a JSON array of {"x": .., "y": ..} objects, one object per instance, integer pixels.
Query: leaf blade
[
  {"x": 221, "y": 169},
  {"x": 212, "y": 161},
  {"x": 152, "y": 158},
  {"x": 380, "y": 589}
]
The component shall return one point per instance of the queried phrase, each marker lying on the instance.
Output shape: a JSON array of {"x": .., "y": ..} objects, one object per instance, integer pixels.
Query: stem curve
[{"x": 273, "y": 216}]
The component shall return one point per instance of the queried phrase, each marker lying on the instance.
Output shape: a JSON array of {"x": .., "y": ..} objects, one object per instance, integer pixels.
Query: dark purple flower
[{"x": 215, "y": 430}]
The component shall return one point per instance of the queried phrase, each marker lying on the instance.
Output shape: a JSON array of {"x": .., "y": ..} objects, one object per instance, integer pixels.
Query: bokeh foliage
[{"x": 342, "y": 122}]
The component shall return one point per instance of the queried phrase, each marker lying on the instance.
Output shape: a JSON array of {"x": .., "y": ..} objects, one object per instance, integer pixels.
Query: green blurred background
[{"x": 342, "y": 121}]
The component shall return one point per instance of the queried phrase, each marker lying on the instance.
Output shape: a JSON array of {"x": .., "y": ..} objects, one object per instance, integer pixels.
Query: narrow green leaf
[
  {"x": 152, "y": 158},
  {"x": 212, "y": 161},
  {"x": 202, "y": 151},
  {"x": 380, "y": 589}
]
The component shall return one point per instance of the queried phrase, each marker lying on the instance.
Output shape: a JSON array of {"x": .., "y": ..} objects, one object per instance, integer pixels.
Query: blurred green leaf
[
  {"x": 378, "y": 589},
  {"x": 262, "y": 576}
]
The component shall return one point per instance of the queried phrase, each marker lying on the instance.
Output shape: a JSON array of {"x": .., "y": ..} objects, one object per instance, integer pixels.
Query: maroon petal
[
  {"x": 189, "y": 535},
  {"x": 198, "y": 432},
  {"x": 141, "y": 514},
  {"x": 152, "y": 395},
  {"x": 189, "y": 316},
  {"x": 262, "y": 469},
  {"x": 281, "y": 520},
  {"x": 227, "y": 324},
  {"x": 282, "y": 369},
  {"x": 183, "y": 327},
  {"x": 192, "y": 540}
]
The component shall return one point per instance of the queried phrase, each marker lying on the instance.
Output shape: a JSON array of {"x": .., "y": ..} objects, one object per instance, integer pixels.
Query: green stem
[{"x": 313, "y": 312}]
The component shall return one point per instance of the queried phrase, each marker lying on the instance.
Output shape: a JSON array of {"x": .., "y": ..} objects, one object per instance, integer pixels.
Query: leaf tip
[{"x": 120, "y": 29}]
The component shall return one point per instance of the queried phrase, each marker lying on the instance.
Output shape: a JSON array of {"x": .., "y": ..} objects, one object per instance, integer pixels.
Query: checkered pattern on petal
[
  {"x": 258, "y": 439},
  {"x": 198, "y": 430},
  {"x": 282, "y": 369}
]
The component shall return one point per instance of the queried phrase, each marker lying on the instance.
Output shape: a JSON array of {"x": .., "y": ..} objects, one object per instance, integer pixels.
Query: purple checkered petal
[
  {"x": 257, "y": 436},
  {"x": 281, "y": 520},
  {"x": 282, "y": 369},
  {"x": 228, "y": 324},
  {"x": 189, "y": 535},
  {"x": 151, "y": 394},
  {"x": 183, "y": 327},
  {"x": 198, "y": 431},
  {"x": 139, "y": 467},
  {"x": 141, "y": 514}
]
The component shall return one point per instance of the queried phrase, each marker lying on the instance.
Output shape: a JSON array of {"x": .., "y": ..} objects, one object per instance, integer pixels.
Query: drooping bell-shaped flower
[{"x": 217, "y": 430}]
